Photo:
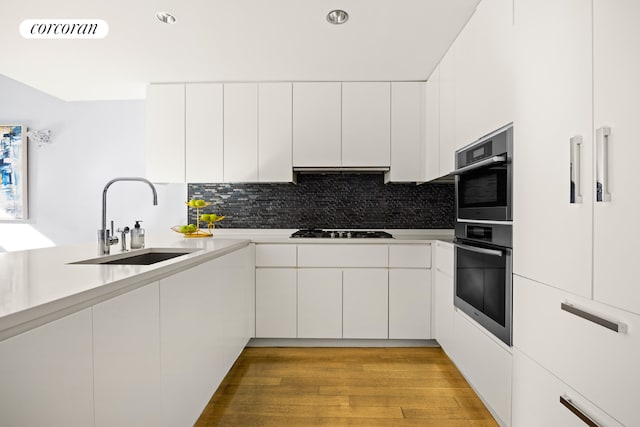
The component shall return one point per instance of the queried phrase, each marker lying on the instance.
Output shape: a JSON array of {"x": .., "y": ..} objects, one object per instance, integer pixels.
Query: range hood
[{"x": 341, "y": 169}]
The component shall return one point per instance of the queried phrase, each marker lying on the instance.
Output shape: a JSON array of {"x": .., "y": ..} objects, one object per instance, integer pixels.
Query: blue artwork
[{"x": 13, "y": 173}]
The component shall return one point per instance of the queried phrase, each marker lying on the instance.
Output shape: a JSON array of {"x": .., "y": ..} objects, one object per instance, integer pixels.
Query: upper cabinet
[
  {"x": 165, "y": 133},
  {"x": 241, "y": 132},
  {"x": 406, "y": 132},
  {"x": 317, "y": 121},
  {"x": 431, "y": 116},
  {"x": 484, "y": 94},
  {"x": 275, "y": 115},
  {"x": 581, "y": 128},
  {"x": 616, "y": 51},
  {"x": 204, "y": 135},
  {"x": 447, "y": 119},
  {"x": 366, "y": 112}
]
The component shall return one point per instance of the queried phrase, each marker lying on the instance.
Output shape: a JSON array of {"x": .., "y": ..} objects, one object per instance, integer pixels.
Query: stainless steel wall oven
[{"x": 483, "y": 244}]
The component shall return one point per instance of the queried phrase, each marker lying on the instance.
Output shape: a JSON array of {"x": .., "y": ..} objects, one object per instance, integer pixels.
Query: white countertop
[
  {"x": 37, "y": 283},
  {"x": 38, "y": 286}
]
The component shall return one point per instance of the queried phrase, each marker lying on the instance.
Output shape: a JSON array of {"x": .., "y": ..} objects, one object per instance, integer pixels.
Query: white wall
[{"x": 93, "y": 142}]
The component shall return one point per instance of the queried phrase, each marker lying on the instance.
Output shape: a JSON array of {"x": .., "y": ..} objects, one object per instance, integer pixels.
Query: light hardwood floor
[{"x": 345, "y": 387}]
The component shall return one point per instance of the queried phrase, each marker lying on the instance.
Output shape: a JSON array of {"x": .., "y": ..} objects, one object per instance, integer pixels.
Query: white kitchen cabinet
[
  {"x": 206, "y": 318},
  {"x": 317, "y": 116},
  {"x": 165, "y": 133},
  {"x": 275, "y": 117},
  {"x": 276, "y": 255},
  {"x": 366, "y": 121},
  {"x": 319, "y": 303},
  {"x": 553, "y": 237},
  {"x": 47, "y": 375},
  {"x": 276, "y": 302},
  {"x": 241, "y": 132},
  {"x": 597, "y": 362},
  {"x": 616, "y": 51},
  {"x": 410, "y": 256},
  {"x": 330, "y": 255},
  {"x": 406, "y": 132},
  {"x": 486, "y": 363},
  {"x": 204, "y": 151},
  {"x": 443, "y": 298},
  {"x": 484, "y": 72},
  {"x": 365, "y": 303},
  {"x": 126, "y": 339},
  {"x": 409, "y": 303},
  {"x": 431, "y": 116},
  {"x": 536, "y": 398},
  {"x": 447, "y": 119}
]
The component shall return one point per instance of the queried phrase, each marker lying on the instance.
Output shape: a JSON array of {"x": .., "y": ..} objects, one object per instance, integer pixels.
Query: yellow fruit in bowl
[
  {"x": 205, "y": 217},
  {"x": 184, "y": 229},
  {"x": 192, "y": 203},
  {"x": 200, "y": 203}
]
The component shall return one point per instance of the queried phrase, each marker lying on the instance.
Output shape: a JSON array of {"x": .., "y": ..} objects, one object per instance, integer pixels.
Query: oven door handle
[
  {"x": 483, "y": 251},
  {"x": 481, "y": 164}
]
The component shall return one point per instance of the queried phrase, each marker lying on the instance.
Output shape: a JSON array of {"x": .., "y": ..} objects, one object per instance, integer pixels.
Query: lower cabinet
[
  {"x": 47, "y": 375},
  {"x": 365, "y": 294},
  {"x": 206, "y": 318},
  {"x": 443, "y": 297},
  {"x": 541, "y": 399},
  {"x": 126, "y": 339},
  {"x": 409, "y": 303},
  {"x": 276, "y": 303},
  {"x": 319, "y": 303}
]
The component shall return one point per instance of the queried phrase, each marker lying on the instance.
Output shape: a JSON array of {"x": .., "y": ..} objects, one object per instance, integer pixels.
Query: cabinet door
[
  {"x": 126, "y": 342},
  {"x": 447, "y": 89},
  {"x": 431, "y": 159},
  {"x": 553, "y": 107},
  {"x": 165, "y": 133},
  {"x": 276, "y": 303},
  {"x": 47, "y": 375},
  {"x": 484, "y": 72},
  {"x": 406, "y": 131},
  {"x": 241, "y": 132},
  {"x": 365, "y": 303},
  {"x": 616, "y": 70},
  {"x": 317, "y": 124},
  {"x": 319, "y": 303},
  {"x": 366, "y": 120},
  {"x": 275, "y": 132},
  {"x": 409, "y": 303},
  {"x": 204, "y": 133},
  {"x": 536, "y": 398}
]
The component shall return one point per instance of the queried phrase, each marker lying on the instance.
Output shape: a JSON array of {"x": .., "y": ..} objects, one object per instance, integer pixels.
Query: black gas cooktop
[{"x": 313, "y": 233}]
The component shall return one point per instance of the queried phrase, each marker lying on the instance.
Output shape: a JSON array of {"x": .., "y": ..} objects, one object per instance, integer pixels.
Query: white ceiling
[{"x": 230, "y": 40}]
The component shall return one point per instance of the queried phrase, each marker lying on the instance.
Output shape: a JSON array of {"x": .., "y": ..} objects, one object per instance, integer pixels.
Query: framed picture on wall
[{"x": 13, "y": 173}]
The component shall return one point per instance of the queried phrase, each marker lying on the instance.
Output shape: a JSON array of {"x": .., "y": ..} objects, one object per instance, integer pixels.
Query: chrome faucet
[{"x": 105, "y": 236}]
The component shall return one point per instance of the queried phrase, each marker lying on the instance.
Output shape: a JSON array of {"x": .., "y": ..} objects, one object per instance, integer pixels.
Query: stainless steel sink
[{"x": 140, "y": 257}]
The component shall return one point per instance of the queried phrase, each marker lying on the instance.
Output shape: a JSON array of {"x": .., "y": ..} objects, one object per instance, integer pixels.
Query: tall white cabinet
[
  {"x": 275, "y": 115},
  {"x": 204, "y": 149},
  {"x": 431, "y": 115},
  {"x": 406, "y": 131},
  {"x": 241, "y": 132}
]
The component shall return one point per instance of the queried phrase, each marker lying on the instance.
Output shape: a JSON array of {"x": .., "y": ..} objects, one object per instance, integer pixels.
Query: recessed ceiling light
[
  {"x": 337, "y": 17},
  {"x": 165, "y": 17}
]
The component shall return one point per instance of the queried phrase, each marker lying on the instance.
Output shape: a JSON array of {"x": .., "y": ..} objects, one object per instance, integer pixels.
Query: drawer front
[
  {"x": 410, "y": 256},
  {"x": 354, "y": 255},
  {"x": 275, "y": 255},
  {"x": 444, "y": 258},
  {"x": 536, "y": 399},
  {"x": 597, "y": 362}
]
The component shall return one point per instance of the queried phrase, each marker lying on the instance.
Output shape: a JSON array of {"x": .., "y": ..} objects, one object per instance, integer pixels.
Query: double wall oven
[{"x": 483, "y": 231}]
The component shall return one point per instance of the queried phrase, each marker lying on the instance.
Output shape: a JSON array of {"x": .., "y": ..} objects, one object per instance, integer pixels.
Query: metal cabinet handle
[
  {"x": 574, "y": 169},
  {"x": 614, "y": 326},
  {"x": 481, "y": 164},
  {"x": 567, "y": 403},
  {"x": 483, "y": 251},
  {"x": 602, "y": 164}
]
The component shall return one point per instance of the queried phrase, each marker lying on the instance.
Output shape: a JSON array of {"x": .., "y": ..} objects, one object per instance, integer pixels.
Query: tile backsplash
[{"x": 359, "y": 201}]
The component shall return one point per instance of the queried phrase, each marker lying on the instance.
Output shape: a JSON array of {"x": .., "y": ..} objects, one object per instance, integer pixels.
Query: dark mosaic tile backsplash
[{"x": 329, "y": 201}]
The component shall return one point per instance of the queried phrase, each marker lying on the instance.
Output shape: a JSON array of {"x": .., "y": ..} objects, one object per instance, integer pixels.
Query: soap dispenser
[{"x": 137, "y": 236}]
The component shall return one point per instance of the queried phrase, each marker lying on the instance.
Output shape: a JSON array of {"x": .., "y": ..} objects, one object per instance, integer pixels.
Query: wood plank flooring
[{"x": 345, "y": 387}]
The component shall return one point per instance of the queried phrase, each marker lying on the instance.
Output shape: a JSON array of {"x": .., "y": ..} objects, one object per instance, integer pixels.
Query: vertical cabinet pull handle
[
  {"x": 574, "y": 169},
  {"x": 618, "y": 327},
  {"x": 602, "y": 164},
  {"x": 567, "y": 403}
]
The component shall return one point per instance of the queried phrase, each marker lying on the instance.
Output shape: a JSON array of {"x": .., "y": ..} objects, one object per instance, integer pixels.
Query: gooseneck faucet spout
[{"x": 105, "y": 236}]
